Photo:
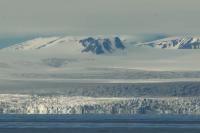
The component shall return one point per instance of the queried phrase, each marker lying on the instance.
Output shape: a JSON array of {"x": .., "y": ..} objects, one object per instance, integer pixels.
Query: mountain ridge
[
  {"x": 104, "y": 44},
  {"x": 188, "y": 42},
  {"x": 95, "y": 45}
]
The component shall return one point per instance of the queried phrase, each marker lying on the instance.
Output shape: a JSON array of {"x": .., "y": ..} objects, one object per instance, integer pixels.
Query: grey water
[{"x": 99, "y": 124}]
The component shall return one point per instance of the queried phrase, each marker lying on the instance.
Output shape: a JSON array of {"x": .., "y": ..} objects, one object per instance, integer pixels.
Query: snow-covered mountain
[
  {"x": 101, "y": 45},
  {"x": 175, "y": 43},
  {"x": 96, "y": 45}
]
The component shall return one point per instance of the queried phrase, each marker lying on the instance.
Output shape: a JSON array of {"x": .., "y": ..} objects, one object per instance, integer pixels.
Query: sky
[{"x": 87, "y": 17}]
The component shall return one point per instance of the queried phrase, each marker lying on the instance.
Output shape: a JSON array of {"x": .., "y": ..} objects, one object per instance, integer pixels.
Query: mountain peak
[{"x": 101, "y": 45}]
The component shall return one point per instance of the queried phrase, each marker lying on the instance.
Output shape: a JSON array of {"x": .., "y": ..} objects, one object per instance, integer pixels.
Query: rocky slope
[
  {"x": 175, "y": 43},
  {"x": 101, "y": 45}
]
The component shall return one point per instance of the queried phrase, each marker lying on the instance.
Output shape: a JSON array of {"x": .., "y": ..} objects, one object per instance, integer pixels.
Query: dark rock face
[
  {"x": 100, "y": 46},
  {"x": 118, "y": 43},
  {"x": 107, "y": 45},
  {"x": 191, "y": 45}
]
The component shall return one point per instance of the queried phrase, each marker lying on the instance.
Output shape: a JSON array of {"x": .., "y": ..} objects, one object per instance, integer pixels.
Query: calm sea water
[{"x": 98, "y": 124}]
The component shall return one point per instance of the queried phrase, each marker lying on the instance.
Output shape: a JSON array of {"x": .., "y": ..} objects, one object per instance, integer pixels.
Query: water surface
[{"x": 99, "y": 124}]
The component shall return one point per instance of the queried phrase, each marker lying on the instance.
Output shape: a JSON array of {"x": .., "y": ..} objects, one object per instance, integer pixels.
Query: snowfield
[
  {"x": 100, "y": 59},
  {"x": 101, "y": 74}
]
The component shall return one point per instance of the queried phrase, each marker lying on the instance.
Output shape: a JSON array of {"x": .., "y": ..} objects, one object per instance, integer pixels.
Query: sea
[{"x": 11, "y": 123}]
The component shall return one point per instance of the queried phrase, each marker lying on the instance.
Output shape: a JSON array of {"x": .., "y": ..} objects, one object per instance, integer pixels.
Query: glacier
[{"x": 34, "y": 104}]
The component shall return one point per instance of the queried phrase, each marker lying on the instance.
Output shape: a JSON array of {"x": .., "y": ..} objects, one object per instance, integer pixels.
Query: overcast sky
[{"x": 81, "y": 17}]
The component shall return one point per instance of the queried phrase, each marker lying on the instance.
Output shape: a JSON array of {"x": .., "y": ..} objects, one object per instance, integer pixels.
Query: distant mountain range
[{"x": 104, "y": 45}]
